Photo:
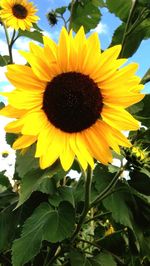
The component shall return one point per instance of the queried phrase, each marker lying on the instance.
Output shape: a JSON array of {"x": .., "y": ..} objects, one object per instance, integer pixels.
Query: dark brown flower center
[
  {"x": 72, "y": 102},
  {"x": 19, "y": 11}
]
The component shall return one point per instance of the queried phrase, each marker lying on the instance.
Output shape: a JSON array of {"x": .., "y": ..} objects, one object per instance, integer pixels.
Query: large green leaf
[
  {"x": 140, "y": 181},
  {"x": 2, "y": 105},
  {"x": 61, "y": 223},
  {"x": 38, "y": 180},
  {"x": 26, "y": 162},
  {"x": 105, "y": 259},
  {"x": 10, "y": 138},
  {"x": 135, "y": 30},
  {"x": 34, "y": 35},
  {"x": 4, "y": 60},
  {"x": 8, "y": 226},
  {"x": 144, "y": 114},
  {"x": 120, "y": 8},
  {"x": 62, "y": 194},
  {"x": 44, "y": 224},
  {"x": 85, "y": 14},
  {"x": 26, "y": 247},
  {"x": 133, "y": 40},
  {"x": 120, "y": 211},
  {"x": 4, "y": 181},
  {"x": 79, "y": 258},
  {"x": 101, "y": 177}
]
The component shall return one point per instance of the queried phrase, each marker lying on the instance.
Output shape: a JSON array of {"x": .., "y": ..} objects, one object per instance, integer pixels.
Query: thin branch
[
  {"x": 8, "y": 43},
  {"x": 71, "y": 14},
  {"x": 97, "y": 217},
  {"x": 88, "y": 182},
  {"x": 109, "y": 188},
  {"x": 127, "y": 27}
]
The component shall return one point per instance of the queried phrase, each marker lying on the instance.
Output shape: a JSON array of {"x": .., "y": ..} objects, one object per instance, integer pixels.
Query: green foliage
[
  {"x": 44, "y": 224},
  {"x": 61, "y": 10},
  {"x": 34, "y": 35},
  {"x": 38, "y": 180},
  {"x": 4, "y": 60},
  {"x": 85, "y": 13},
  {"x": 134, "y": 27},
  {"x": 10, "y": 138},
  {"x": 45, "y": 217},
  {"x": 120, "y": 8},
  {"x": 144, "y": 114},
  {"x": 26, "y": 161},
  {"x": 2, "y": 105},
  {"x": 146, "y": 77}
]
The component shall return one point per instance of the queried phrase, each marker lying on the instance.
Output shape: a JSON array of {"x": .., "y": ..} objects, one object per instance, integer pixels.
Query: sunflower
[
  {"x": 71, "y": 100},
  {"x": 18, "y": 14}
]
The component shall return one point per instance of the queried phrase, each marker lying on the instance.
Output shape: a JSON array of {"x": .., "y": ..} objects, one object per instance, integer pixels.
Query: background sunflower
[{"x": 18, "y": 14}]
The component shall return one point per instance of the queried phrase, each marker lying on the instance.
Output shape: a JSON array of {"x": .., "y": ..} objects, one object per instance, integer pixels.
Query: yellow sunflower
[
  {"x": 18, "y": 14},
  {"x": 71, "y": 100}
]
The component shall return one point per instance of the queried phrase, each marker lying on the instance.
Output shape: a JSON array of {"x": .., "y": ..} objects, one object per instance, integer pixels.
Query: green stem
[
  {"x": 71, "y": 14},
  {"x": 127, "y": 27},
  {"x": 65, "y": 22},
  {"x": 97, "y": 217},
  {"x": 109, "y": 188},
  {"x": 8, "y": 44},
  {"x": 88, "y": 182},
  {"x": 88, "y": 242},
  {"x": 57, "y": 254}
]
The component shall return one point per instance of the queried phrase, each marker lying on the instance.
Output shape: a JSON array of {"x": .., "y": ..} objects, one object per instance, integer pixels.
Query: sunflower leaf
[
  {"x": 120, "y": 211},
  {"x": 2, "y": 105},
  {"x": 26, "y": 162},
  {"x": 119, "y": 8},
  {"x": 10, "y": 138},
  {"x": 85, "y": 14},
  {"x": 8, "y": 225},
  {"x": 4, "y": 60},
  {"x": 105, "y": 259},
  {"x": 133, "y": 40},
  {"x": 38, "y": 180},
  {"x": 44, "y": 224},
  {"x": 61, "y": 223},
  {"x": 4, "y": 181},
  {"x": 34, "y": 35},
  {"x": 61, "y": 10},
  {"x": 28, "y": 245},
  {"x": 144, "y": 114}
]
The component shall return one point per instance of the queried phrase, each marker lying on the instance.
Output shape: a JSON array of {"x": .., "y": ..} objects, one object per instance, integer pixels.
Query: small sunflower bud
[
  {"x": 51, "y": 16},
  {"x": 137, "y": 156},
  {"x": 5, "y": 154}
]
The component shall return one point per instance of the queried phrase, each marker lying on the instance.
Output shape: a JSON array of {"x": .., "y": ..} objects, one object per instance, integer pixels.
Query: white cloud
[
  {"x": 101, "y": 28},
  {"x": 54, "y": 35},
  {"x": 18, "y": 59},
  {"x": 22, "y": 44}
]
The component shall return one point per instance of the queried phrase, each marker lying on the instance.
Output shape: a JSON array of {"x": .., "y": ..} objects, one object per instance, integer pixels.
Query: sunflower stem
[
  {"x": 8, "y": 44},
  {"x": 13, "y": 39},
  {"x": 86, "y": 208},
  {"x": 127, "y": 27},
  {"x": 71, "y": 14},
  {"x": 109, "y": 189}
]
